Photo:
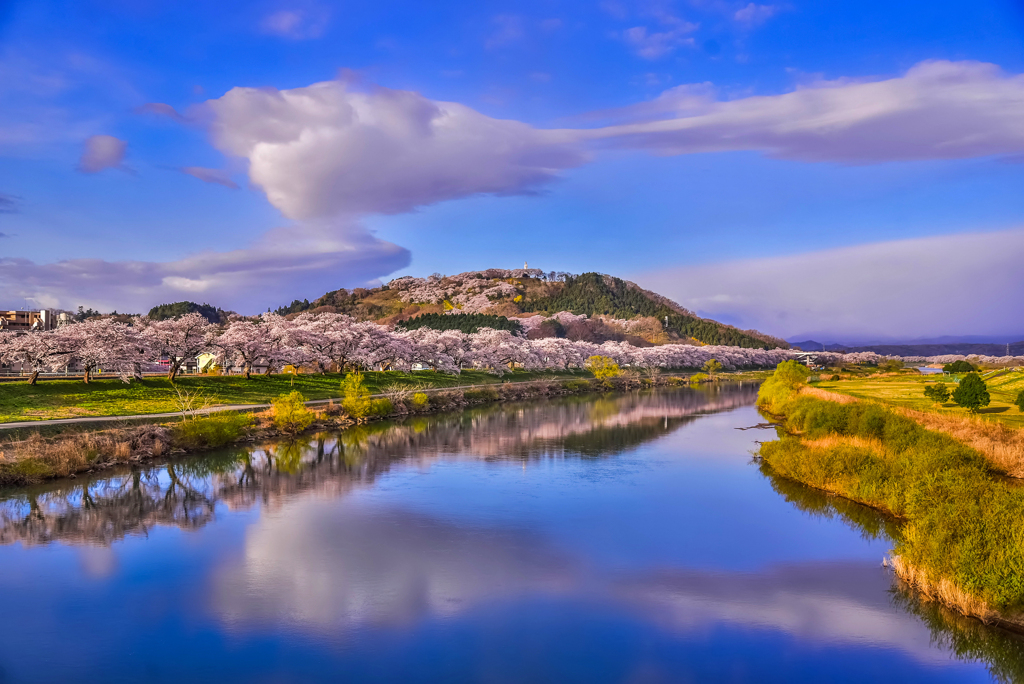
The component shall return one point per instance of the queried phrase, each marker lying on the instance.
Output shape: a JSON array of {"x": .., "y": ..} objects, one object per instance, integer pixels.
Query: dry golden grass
[
  {"x": 1003, "y": 446},
  {"x": 828, "y": 396},
  {"x": 943, "y": 591},
  {"x": 834, "y": 440}
]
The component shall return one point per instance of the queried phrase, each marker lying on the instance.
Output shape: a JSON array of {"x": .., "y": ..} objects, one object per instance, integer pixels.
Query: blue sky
[{"x": 152, "y": 151}]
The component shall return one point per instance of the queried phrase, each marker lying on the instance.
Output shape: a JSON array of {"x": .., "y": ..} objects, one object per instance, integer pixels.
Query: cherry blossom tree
[
  {"x": 179, "y": 339},
  {"x": 243, "y": 344}
]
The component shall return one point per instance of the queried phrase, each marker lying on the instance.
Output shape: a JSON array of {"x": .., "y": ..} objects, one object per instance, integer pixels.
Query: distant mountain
[
  {"x": 920, "y": 348},
  {"x": 523, "y": 292}
]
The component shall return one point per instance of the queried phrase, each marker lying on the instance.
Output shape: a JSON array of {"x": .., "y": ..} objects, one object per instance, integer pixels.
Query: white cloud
[
  {"x": 937, "y": 110},
  {"x": 286, "y": 263},
  {"x": 296, "y": 24},
  {"x": 217, "y": 176},
  {"x": 958, "y": 284},
  {"x": 102, "y": 152},
  {"x": 752, "y": 14},
  {"x": 328, "y": 149}
]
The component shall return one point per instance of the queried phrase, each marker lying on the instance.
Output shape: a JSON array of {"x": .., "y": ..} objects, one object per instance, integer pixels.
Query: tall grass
[{"x": 962, "y": 528}]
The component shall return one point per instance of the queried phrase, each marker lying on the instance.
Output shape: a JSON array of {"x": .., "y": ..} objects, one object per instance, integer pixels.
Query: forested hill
[{"x": 522, "y": 292}]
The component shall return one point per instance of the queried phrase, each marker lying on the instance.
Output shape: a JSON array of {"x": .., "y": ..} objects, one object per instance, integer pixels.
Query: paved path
[{"x": 218, "y": 409}]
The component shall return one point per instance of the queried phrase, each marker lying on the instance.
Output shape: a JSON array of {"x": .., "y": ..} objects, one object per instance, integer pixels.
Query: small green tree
[
  {"x": 1019, "y": 401},
  {"x": 356, "y": 401},
  {"x": 971, "y": 393},
  {"x": 603, "y": 367},
  {"x": 291, "y": 414},
  {"x": 712, "y": 366},
  {"x": 960, "y": 366},
  {"x": 938, "y": 392}
]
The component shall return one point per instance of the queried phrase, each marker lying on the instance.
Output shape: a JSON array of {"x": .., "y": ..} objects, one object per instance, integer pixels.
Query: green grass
[
  {"x": 110, "y": 397},
  {"x": 959, "y": 522},
  {"x": 907, "y": 390}
]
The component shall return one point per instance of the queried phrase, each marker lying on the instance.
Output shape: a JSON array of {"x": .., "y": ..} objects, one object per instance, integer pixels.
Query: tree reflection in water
[{"x": 185, "y": 493}]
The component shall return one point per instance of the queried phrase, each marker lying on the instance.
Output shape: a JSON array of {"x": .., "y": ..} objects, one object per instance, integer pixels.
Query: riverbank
[
  {"x": 34, "y": 458},
  {"x": 961, "y": 539}
]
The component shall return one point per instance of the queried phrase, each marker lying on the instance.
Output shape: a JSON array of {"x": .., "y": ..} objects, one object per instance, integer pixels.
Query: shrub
[
  {"x": 291, "y": 414},
  {"x": 697, "y": 378},
  {"x": 419, "y": 401},
  {"x": 1019, "y": 401},
  {"x": 381, "y": 408},
  {"x": 712, "y": 366},
  {"x": 603, "y": 367},
  {"x": 938, "y": 392},
  {"x": 960, "y": 366},
  {"x": 834, "y": 378},
  {"x": 782, "y": 385},
  {"x": 971, "y": 393},
  {"x": 356, "y": 400},
  {"x": 576, "y": 385},
  {"x": 212, "y": 431}
]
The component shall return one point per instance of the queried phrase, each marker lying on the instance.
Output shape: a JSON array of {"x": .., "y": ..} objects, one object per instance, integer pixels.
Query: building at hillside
[{"x": 23, "y": 321}]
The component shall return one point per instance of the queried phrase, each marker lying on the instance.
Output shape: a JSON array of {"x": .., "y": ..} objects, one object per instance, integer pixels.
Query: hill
[
  {"x": 614, "y": 308},
  {"x": 921, "y": 349}
]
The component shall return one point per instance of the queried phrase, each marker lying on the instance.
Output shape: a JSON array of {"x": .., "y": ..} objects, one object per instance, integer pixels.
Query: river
[{"x": 627, "y": 538}]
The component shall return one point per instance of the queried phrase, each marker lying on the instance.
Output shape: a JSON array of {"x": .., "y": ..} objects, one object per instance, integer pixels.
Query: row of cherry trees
[{"x": 327, "y": 341}]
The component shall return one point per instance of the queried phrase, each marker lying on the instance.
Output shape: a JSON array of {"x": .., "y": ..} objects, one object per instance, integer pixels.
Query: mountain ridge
[{"x": 521, "y": 293}]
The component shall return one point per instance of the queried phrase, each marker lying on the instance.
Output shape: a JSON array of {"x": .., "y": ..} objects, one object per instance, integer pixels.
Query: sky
[{"x": 846, "y": 171}]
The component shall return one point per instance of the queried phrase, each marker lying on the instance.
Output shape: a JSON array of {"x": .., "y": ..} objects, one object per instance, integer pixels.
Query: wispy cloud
[
  {"x": 297, "y": 24},
  {"x": 304, "y": 261},
  {"x": 8, "y": 204},
  {"x": 508, "y": 29},
  {"x": 216, "y": 176},
  {"x": 753, "y": 15},
  {"x": 937, "y": 110},
  {"x": 102, "y": 152},
  {"x": 163, "y": 109},
  {"x": 673, "y": 32},
  {"x": 880, "y": 289}
]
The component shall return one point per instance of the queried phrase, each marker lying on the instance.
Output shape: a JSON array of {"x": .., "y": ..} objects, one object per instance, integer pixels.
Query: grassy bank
[
  {"x": 25, "y": 459},
  {"x": 111, "y": 397},
  {"x": 962, "y": 525},
  {"x": 906, "y": 390}
]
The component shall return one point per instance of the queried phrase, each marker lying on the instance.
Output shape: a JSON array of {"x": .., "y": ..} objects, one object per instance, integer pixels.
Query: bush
[
  {"x": 712, "y": 366},
  {"x": 356, "y": 401},
  {"x": 419, "y": 402},
  {"x": 960, "y": 366},
  {"x": 782, "y": 385},
  {"x": 1019, "y": 401},
  {"x": 697, "y": 378},
  {"x": 603, "y": 367},
  {"x": 971, "y": 393},
  {"x": 576, "y": 385},
  {"x": 381, "y": 408},
  {"x": 938, "y": 392},
  {"x": 212, "y": 431},
  {"x": 834, "y": 378},
  {"x": 291, "y": 414}
]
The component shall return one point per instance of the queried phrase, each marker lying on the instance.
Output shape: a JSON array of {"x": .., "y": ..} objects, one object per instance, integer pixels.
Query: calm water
[{"x": 621, "y": 539}]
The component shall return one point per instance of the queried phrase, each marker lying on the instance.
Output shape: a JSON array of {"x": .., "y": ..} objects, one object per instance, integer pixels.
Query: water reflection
[
  {"x": 636, "y": 543},
  {"x": 104, "y": 508}
]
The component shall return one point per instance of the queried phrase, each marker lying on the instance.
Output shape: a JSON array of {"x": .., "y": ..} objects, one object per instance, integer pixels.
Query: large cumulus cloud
[{"x": 329, "y": 148}]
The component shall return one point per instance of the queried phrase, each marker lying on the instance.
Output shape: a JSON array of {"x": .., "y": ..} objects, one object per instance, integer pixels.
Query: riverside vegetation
[
  {"x": 960, "y": 537},
  {"x": 32, "y": 458}
]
